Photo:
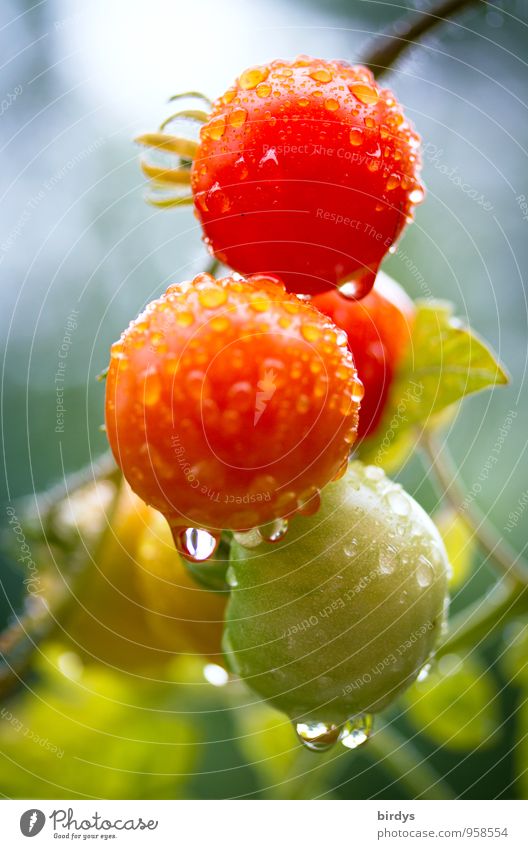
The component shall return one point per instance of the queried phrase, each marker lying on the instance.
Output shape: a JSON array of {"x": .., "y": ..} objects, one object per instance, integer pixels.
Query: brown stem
[
  {"x": 19, "y": 640},
  {"x": 386, "y": 48}
]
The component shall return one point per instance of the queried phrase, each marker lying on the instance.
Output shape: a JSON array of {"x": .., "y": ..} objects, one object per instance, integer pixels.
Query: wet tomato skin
[
  {"x": 340, "y": 616},
  {"x": 379, "y": 329},
  {"x": 307, "y": 169},
  {"x": 230, "y": 402}
]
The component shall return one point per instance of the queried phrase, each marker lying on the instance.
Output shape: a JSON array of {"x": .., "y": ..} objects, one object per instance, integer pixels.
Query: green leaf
[
  {"x": 446, "y": 362},
  {"x": 456, "y": 705}
]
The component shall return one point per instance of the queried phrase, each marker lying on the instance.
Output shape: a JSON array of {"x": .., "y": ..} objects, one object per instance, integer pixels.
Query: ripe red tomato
[
  {"x": 306, "y": 169},
  {"x": 379, "y": 335},
  {"x": 230, "y": 402}
]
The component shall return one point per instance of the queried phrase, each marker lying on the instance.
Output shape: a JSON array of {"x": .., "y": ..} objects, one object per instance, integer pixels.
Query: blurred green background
[{"x": 78, "y": 82}]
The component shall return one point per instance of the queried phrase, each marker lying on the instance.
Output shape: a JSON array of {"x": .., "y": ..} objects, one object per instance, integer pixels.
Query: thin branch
[
  {"x": 483, "y": 618},
  {"x": 499, "y": 551},
  {"x": 386, "y": 48}
]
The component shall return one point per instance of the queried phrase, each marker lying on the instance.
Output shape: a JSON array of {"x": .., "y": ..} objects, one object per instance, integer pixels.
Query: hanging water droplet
[
  {"x": 356, "y": 731},
  {"x": 274, "y": 531},
  {"x": 195, "y": 544},
  {"x": 317, "y": 736},
  {"x": 358, "y": 284},
  {"x": 248, "y": 539},
  {"x": 309, "y": 502},
  {"x": 349, "y": 289}
]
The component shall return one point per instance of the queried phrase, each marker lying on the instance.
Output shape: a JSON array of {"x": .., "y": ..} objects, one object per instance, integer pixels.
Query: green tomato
[{"x": 337, "y": 618}]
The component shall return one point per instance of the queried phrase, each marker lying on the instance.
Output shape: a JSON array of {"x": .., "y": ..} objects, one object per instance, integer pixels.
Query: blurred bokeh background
[{"x": 78, "y": 82}]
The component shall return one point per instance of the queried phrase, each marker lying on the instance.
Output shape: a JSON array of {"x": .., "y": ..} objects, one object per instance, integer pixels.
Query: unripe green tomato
[{"x": 341, "y": 615}]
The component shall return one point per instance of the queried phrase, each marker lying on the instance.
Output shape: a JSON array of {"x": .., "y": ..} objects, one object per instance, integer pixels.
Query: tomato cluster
[{"x": 233, "y": 404}]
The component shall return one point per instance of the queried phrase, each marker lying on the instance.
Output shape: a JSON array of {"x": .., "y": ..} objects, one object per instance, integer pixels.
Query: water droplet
[
  {"x": 416, "y": 196},
  {"x": 248, "y": 539},
  {"x": 349, "y": 289},
  {"x": 374, "y": 473},
  {"x": 398, "y": 502},
  {"x": 237, "y": 116},
  {"x": 184, "y": 318},
  {"x": 263, "y": 90},
  {"x": 387, "y": 561},
  {"x": 359, "y": 283},
  {"x": 309, "y": 502},
  {"x": 215, "y": 129},
  {"x": 250, "y": 78},
  {"x": 358, "y": 391},
  {"x": 366, "y": 94},
  {"x": 350, "y": 547},
  {"x": 231, "y": 578},
  {"x": 211, "y": 298},
  {"x": 331, "y": 104},
  {"x": 356, "y": 137},
  {"x": 356, "y": 731},
  {"x": 242, "y": 171},
  {"x": 424, "y": 572},
  {"x": 217, "y": 200},
  {"x": 195, "y": 544},
  {"x": 310, "y": 332},
  {"x": 321, "y": 75},
  {"x": 274, "y": 531},
  {"x": 317, "y": 736},
  {"x": 219, "y": 323},
  {"x": 393, "y": 182}
]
